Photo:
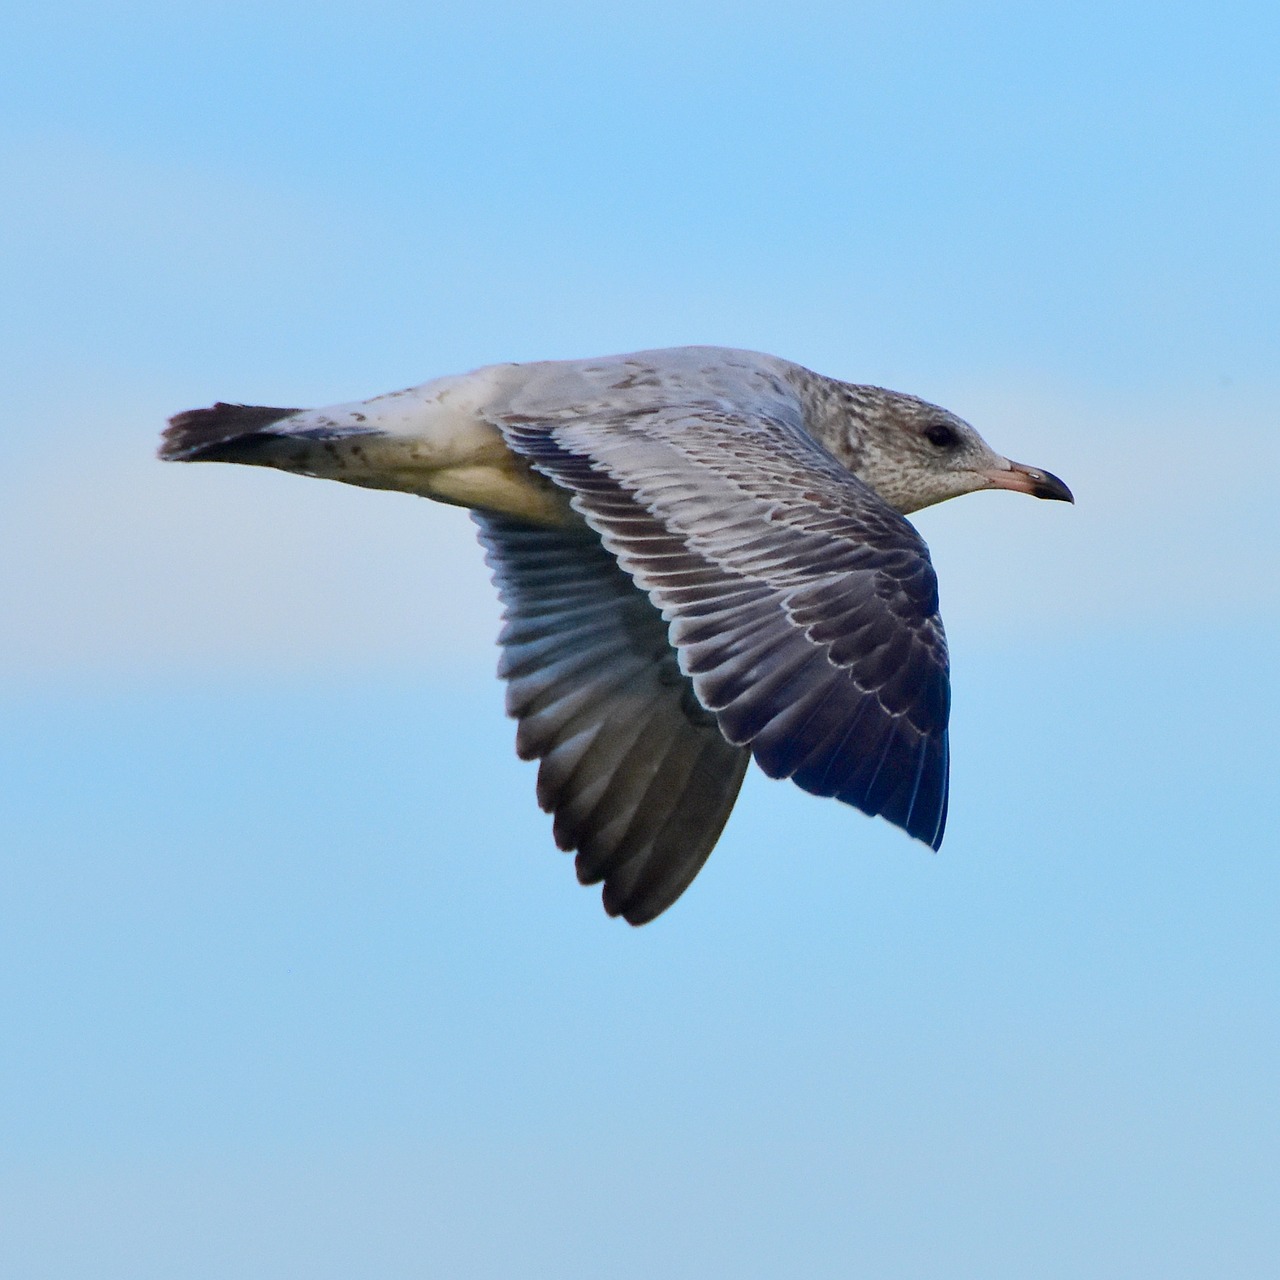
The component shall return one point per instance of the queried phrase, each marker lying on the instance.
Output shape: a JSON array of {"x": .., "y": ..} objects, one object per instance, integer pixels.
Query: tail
[
  {"x": 425, "y": 440},
  {"x": 223, "y": 433}
]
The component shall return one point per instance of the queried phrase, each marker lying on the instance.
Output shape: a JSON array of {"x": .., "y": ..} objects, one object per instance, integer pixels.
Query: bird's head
[{"x": 914, "y": 454}]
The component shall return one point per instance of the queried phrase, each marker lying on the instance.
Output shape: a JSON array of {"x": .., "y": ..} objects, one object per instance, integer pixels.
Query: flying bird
[{"x": 702, "y": 556}]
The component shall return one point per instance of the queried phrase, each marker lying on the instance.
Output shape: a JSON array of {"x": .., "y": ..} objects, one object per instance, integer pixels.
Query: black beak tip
[{"x": 1049, "y": 486}]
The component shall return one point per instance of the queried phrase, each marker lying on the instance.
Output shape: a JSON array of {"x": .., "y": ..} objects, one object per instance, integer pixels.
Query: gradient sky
[{"x": 292, "y": 981}]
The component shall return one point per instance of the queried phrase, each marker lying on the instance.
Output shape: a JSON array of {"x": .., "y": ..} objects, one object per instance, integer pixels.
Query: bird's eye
[{"x": 942, "y": 436}]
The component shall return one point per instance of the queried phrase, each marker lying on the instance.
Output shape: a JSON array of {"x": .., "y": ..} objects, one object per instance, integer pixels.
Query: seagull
[{"x": 702, "y": 557}]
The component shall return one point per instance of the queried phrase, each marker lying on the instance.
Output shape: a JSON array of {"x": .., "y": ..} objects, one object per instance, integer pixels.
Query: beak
[{"x": 1023, "y": 479}]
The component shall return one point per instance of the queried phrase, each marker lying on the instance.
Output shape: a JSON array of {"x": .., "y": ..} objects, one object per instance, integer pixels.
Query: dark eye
[{"x": 941, "y": 435}]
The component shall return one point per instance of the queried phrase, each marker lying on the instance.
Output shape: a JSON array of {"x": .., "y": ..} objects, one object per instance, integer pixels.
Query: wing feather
[
  {"x": 638, "y": 775},
  {"x": 804, "y": 609}
]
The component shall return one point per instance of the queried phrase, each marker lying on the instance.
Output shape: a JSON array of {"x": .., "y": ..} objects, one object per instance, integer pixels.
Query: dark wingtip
[
  {"x": 634, "y": 907},
  {"x": 195, "y": 436}
]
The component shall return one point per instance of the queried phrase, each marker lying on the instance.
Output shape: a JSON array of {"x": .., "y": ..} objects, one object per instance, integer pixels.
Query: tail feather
[{"x": 219, "y": 434}]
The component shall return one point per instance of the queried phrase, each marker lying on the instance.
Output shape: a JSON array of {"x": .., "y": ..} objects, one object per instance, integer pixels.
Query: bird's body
[{"x": 702, "y": 557}]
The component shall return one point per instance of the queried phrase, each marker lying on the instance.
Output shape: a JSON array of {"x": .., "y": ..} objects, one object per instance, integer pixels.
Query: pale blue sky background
[{"x": 291, "y": 981}]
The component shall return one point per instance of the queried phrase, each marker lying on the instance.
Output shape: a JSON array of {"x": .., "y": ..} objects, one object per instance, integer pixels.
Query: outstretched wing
[
  {"x": 637, "y": 773},
  {"x": 803, "y": 607}
]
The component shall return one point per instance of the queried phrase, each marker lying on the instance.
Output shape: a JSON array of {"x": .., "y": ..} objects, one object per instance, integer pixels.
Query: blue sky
[{"x": 293, "y": 982}]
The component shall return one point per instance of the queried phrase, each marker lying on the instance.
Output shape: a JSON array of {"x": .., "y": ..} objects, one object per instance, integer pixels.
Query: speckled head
[{"x": 914, "y": 454}]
